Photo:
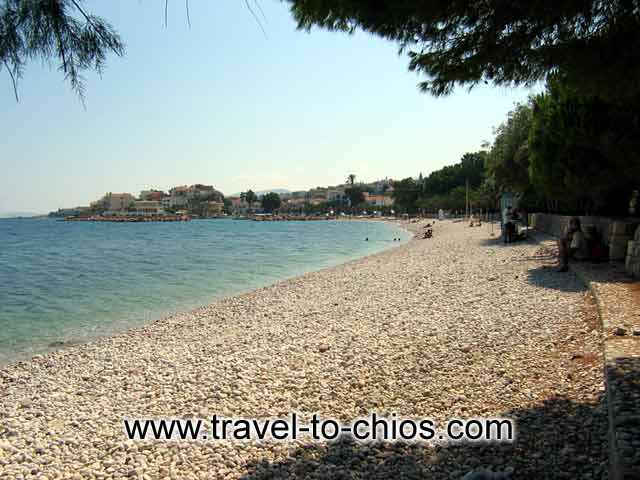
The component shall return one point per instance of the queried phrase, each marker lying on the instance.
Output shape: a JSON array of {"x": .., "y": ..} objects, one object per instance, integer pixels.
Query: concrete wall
[{"x": 632, "y": 260}]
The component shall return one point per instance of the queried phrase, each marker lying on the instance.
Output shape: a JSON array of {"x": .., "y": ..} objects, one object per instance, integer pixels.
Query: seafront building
[
  {"x": 148, "y": 207},
  {"x": 205, "y": 201},
  {"x": 378, "y": 200},
  {"x": 215, "y": 208},
  {"x": 178, "y": 197},
  {"x": 113, "y": 202},
  {"x": 195, "y": 200},
  {"x": 155, "y": 195},
  {"x": 337, "y": 195},
  {"x": 239, "y": 206}
]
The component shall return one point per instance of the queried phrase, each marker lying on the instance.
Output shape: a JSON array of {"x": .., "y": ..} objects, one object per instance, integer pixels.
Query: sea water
[{"x": 64, "y": 282}]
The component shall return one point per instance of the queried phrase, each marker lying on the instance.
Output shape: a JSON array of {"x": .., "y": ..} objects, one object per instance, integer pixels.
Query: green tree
[
  {"x": 452, "y": 43},
  {"x": 405, "y": 194},
  {"x": 228, "y": 206},
  {"x": 441, "y": 189},
  {"x": 271, "y": 202},
  {"x": 584, "y": 151},
  {"x": 487, "y": 195},
  {"x": 493, "y": 41},
  {"x": 508, "y": 159},
  {"x": 355, "y": 194},
  {"x": 471, "y": 168},
  {"x": 250, "y": 197}
]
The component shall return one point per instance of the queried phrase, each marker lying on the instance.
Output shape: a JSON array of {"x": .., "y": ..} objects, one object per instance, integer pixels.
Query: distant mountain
[
  {"x": 259, "y": 193},
  {"x": 19, "y": 214}
]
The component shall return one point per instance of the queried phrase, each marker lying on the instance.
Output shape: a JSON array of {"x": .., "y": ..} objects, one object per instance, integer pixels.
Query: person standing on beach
[{"x": 507, "y": 225}]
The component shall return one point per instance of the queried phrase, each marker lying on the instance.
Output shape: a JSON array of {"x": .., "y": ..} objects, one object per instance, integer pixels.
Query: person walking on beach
[
  {"x": 572, "y": 244},
  {"x": 508, "y": 226}
]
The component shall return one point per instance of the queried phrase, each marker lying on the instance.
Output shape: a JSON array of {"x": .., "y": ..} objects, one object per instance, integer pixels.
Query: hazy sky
[{"x": 221, "y": 104}]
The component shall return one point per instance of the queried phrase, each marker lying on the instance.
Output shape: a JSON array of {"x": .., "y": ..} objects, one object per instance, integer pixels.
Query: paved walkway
[{"x": 618, "y": 300}]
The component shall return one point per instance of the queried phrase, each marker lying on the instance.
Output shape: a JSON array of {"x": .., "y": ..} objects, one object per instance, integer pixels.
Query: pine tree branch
[
  {"x": 246, "y": 2},
  {"x": 13, "y": 80},
  {"x": 96, "y": 29}
]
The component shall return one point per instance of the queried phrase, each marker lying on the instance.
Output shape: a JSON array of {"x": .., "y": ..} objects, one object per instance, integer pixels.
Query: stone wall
[
  {"x": 617, "y": 234},
  {"x": 632, "y": 260}
]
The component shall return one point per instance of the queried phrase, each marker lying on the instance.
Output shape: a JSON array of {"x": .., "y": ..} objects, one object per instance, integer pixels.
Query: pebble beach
[{"x": 459, "y": 325}]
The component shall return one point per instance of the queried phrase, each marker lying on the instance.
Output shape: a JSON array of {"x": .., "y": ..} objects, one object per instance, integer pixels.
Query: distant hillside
[
  {"x": 259, "y": 193},
  {"x": 19, "y": 214}
]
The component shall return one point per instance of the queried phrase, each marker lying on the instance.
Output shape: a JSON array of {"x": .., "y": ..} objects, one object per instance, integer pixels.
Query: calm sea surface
[{"x": 73, "y": 281}]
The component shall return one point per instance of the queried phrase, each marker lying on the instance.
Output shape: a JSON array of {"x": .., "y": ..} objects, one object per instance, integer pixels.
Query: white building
[
  {"x": 336, "y": 195},
  {"x": 115, "y": 202},
  {"x": 148, "y": 207}
]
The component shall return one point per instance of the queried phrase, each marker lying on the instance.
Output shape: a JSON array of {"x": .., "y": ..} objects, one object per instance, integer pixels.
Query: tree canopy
[
  {"x": 405, "y": 194},
  {"x": 447, "y": 187},
  {"x": 470, "y": 168},
  {"x": 508, "y": 160},
  {"x": 584, "y": 151},
  {"x": 497, "y": 41},
  {"x": 595, "y": 44},
  {"x": 271, "y": 202},
  {"x": 249, "y": 196},
  {"x": 354, "y": 193},
  {"x": 54, "y": 30}
]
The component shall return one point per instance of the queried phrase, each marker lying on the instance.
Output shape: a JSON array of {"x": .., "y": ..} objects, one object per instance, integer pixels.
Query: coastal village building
[
  {"x": 238, "y": 205},
  {"x": 319, "y": 193},
  {"x": 382, "y": 186},
  {"x": 293, "y": 204},
  {"x": 147, "y": 207},
  {"x": 196, "y": 199},
  {"x": 154, "y": 195},
  {"x": 120, "y": 201},
  {"x": 178, "y": 197},
  {"x": 380, "y": 200},
  {"x": 215, "y": 208},
  {"x": 236, "y": 202},
  {"x": 336, "y": 195},
  {"x": 114, "y": 202},
  {"x": 205, "y": 200},
  {"x": 297, "y": 202},
  {"x": 202, "y": 191}
]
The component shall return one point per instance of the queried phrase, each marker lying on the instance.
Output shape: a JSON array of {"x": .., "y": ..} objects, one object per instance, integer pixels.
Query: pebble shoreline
[{"x": 455, "y": 326}]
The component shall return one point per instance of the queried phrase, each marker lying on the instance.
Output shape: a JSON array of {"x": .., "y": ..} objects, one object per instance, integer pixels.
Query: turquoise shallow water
[{"x": 73, "y": 281}]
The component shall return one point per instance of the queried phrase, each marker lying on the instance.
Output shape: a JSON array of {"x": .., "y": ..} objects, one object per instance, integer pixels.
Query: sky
[{"x": 222, "y": 104}]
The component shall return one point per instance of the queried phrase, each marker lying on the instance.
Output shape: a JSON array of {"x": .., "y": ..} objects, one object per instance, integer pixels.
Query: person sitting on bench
[{"x": 572, "y": 245}]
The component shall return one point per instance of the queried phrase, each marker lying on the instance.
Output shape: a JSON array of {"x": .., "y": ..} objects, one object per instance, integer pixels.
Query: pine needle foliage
[
  {"x": 594, "y": 43},
  {"x": 55, "y": 31}
]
